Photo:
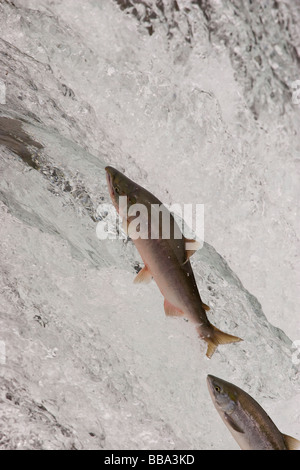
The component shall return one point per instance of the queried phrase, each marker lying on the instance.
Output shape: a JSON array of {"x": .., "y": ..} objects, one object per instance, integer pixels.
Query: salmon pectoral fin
[
  {"x": 171, "y": 311},
  {"x": 232, "y": 423},
  {"x": 143, "y": 276},
  {"x": 291, "y": 442},
  {"x": 217, "y": 337}
]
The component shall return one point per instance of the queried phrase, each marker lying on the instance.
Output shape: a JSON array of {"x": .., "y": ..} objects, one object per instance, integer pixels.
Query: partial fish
[
  {"x": 166, "y": 260},
  {"x": 249, "y": 424}
]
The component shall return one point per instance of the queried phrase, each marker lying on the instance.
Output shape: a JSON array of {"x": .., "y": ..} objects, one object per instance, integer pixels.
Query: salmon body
[{"x": 162, "y": 247}]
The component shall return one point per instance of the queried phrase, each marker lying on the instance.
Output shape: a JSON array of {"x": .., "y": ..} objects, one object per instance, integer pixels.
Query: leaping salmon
[
  {"x": 166, "y": 259},
  {"x": 247, "y": 421}
]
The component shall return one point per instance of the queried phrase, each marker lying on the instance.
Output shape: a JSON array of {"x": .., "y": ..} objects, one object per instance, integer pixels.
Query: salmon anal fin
[
  {"x": 171, "y": 311},
  {"x": 291, "y": 442},
  {"x": 143, "y": 276}
]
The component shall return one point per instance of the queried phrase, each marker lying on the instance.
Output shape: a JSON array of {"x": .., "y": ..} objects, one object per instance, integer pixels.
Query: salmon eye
[
  {"x": 217, "y": 388},
  {"x": 117, "y": 189}
]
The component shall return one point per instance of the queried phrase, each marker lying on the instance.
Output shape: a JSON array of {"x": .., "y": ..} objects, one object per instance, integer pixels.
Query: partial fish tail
[
  {"x": 291, "y": 442},
  {"x": 215, "y": 338}
]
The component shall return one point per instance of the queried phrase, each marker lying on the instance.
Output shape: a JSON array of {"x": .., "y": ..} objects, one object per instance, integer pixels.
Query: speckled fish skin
[
  {"x": 247, "y": 421},
  {"x": 166, "y": 260}
]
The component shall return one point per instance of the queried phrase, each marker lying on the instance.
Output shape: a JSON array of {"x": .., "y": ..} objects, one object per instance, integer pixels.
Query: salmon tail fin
[
  {"x": 218, "y": 337},
  {"x": 291, "y": 442}
]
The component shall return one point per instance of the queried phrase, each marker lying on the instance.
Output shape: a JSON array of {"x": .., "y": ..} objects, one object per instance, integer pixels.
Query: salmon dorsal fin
[
  {"x": 143, "y": 276},
  {"x": 191, "y": 246},
  {"x": 291, "y": 442}
]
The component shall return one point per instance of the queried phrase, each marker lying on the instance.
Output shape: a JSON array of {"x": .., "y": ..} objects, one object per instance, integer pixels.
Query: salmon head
[{"x": 224, "y": 394}]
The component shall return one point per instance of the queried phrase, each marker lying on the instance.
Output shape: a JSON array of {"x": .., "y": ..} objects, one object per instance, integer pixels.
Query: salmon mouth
[{"x": 209, "y": 380}]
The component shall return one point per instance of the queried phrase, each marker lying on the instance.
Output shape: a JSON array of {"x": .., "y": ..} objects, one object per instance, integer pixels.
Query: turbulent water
[{"x": 197, "y": 101}]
